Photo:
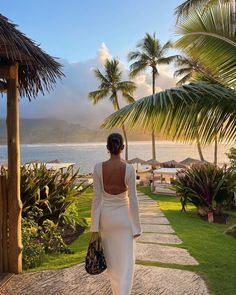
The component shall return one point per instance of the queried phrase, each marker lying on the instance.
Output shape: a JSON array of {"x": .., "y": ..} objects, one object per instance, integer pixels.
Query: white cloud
[
  {"x": 69, "y": 100},
  {"x": 103, "y": 54}
]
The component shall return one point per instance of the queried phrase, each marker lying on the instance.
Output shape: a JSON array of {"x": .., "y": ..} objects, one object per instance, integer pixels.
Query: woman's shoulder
[
  {"x": 97, "y": 166},
  {"x": 130, "y": 167}
]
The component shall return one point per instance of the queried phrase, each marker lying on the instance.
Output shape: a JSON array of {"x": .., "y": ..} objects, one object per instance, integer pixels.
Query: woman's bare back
[{"x": 113, "y": 174}]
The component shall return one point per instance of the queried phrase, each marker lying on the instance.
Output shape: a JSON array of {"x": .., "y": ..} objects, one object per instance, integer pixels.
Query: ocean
[{"x": 85, "y": 155}]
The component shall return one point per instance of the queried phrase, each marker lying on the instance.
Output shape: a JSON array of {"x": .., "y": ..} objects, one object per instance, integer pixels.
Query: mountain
[{"x": 45, "y": 130}]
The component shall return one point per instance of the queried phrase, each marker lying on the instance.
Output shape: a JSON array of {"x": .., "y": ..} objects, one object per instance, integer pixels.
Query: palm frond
[
  {"x": 184, "y": 79},
  {"x": 101, "y": 78},
  {"x": 210, "y": 37},
  {"x": 166, "y": 60},
  {"x": 189, "y": 6},
  {"x": 176, "y": 113},
  {"x": 137, "y": 67},
  {"x": 98, "y": 95}
]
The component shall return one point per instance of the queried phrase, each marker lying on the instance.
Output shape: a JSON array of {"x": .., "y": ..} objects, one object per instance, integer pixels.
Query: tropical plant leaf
[
  {"x": 210, "y": 37},
  {"x": 190, "y": 5},
  {"x": 180, "y": 113}
]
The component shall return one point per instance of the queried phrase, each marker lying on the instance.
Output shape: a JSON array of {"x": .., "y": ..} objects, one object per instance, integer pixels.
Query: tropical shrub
[
  {"x": 232, "y": 157},
  {"x": 205, "y": 186},
  {"x": 51, "y": 237},
  {"x": 33, "y": 249},
  {"x": 51, "y": 192},
  {"x": 49, "y": 202}
]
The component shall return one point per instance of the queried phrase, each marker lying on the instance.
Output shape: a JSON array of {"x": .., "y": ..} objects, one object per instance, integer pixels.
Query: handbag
[{"x": 95, "y": 262}]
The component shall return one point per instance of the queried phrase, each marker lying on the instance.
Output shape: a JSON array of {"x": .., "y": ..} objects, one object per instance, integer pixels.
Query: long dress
[{"x": 117, "y": 219}]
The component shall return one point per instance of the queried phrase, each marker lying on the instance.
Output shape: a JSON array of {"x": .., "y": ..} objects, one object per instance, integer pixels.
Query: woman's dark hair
[{"x": 115, "y": 143}]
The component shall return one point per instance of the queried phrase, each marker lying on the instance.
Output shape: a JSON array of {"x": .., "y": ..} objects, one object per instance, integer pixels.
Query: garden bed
[
  {"x": 220, "y": 219},
  {"x": 71, "y": 234}
]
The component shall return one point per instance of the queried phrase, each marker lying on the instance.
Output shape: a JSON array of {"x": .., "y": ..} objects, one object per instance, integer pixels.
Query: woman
[{"x": 115, "y": 213}]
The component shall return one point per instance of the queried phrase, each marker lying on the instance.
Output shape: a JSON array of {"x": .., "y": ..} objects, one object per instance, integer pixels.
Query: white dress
[{"x": 117, "y": 219}]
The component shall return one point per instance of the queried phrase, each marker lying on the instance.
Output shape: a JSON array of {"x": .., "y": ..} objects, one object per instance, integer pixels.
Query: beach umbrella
[
  {"x": 152, "y": 162},
  {"x": 54, "y": 161},
  {"x": 136, "y": 161},
  {"x": 192, "y": 161},
  {"x": 172, "y": 163}
]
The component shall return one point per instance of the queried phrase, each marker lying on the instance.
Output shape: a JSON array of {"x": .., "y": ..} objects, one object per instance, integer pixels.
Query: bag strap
[{"x": 97, "y": 240}]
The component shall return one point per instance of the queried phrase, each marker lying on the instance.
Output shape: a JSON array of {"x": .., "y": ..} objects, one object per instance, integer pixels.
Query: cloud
[
  {"x": 69, "y": 100},
  {"x": 103, "y": 54}
]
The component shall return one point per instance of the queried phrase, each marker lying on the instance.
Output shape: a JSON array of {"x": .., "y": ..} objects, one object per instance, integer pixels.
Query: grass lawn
[
  {"x": 79, "y": 246},
  {"x": 215, "y": 251}
]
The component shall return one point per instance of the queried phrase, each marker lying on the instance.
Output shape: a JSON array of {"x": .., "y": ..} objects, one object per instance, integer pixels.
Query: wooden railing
[{"x": 4, "y": 225}]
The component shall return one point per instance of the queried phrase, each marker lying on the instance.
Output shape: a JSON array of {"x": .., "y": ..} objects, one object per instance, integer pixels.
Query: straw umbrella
[
  {"x": 25, "y": 70},
  {"x": 172, "y": 163},
  {"x": 152, "y": 162},
  {"x": 136, "y": 161},
  {"x": 191, "y": 161}
]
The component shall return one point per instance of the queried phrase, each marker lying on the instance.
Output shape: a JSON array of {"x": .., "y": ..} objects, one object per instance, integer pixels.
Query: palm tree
[
  {"x": 110, "y": 86},
  {"x": 149, "y": 54},
  {"x": 189, "y": 5}
]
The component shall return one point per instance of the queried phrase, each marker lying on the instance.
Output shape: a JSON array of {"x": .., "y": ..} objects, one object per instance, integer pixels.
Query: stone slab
[
  {"x": 145, "y": 199},
  {"x": 148, "y": 280},
  {"x": 164, "y": 254},
  {"x": 151, "y": 215},
  {"x": 154, "y": 220},
  {"x": 148, "y": 202},
  {"x": 149, "y": 210},
  {"x": 156, "y": 228},
  {"x": 145, "y": 207},
  {"x": 159, "y": 238}
]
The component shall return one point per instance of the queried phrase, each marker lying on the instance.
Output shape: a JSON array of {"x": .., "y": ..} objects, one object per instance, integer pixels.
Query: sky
[{"x": 82, "y": 34}]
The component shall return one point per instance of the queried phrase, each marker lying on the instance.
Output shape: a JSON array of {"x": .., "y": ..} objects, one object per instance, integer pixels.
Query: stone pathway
[
  {"x": 149, "y": 248},
  {"x": 148, "y": 280}
]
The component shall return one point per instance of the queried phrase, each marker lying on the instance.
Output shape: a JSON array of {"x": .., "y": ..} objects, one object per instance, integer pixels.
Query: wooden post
[
  {"x": 4, "y": 218},
  {"x": 15, "y": 207},
  {"x": 1, "y": 225}
]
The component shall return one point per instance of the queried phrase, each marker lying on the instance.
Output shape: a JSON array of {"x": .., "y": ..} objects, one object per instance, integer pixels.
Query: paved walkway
[{"x": 149, "y": 280}]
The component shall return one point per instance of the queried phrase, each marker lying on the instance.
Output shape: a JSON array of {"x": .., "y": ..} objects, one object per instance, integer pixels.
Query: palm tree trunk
[
  {"x": 124, "y": 132},
  {"x": 199, "y": 148},
  {"x": 153, "y": 133},
  {"x": 126, "y": 143},
  {"x": 215, "y": 150}
]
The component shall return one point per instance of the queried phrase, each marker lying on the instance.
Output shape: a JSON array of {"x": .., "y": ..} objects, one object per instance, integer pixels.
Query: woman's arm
[
  {"x": 133, "y": 203},
  {"x": 96, "y": 203}
]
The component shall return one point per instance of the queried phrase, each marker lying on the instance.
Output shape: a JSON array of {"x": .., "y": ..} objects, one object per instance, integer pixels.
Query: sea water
[{"x": 85, "y": 155}]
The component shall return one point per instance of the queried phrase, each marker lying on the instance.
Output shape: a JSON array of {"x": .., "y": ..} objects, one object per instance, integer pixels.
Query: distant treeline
[{"x": 59, "y": 131}]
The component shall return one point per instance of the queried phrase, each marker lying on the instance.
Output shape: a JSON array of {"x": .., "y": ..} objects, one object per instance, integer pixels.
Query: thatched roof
[
  {"x": 136, "y": 161},
  {"x": 172, "y": 163},
  {"x": 191, "y": 161},
  {"x": 38, "y": 71},
  {"x": 152, "y": 162}
]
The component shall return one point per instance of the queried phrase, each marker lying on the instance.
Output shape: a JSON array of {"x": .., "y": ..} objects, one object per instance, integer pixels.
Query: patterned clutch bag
[{"x": 95, "y": 262}]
